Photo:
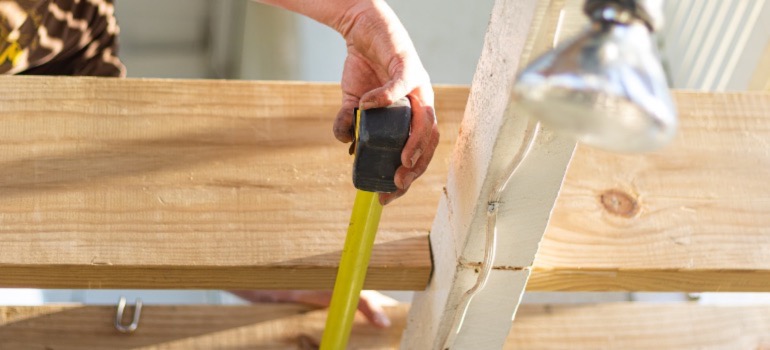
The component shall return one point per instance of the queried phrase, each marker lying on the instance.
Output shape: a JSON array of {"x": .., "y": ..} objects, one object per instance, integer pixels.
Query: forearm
[
  {"x": 370, "y": 26},
  {"x": 345, "y": 15},
  {"x": 332, "y": 13}
]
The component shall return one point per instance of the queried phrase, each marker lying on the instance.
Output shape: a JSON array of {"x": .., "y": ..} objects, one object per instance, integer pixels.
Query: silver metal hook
[{"x": 119, "y": 316}]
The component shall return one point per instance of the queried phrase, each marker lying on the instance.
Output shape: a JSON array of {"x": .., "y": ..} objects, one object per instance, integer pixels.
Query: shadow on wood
[
  {"x": 261, "y": 326},
  {"x": 276, "y": 326}
]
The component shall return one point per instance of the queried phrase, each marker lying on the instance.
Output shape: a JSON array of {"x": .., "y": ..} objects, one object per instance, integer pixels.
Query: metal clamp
[{"x": 119, "y": 316}]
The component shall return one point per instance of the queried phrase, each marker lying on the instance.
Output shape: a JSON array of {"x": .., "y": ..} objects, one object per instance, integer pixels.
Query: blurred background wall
[
  {"x": 241, "y": 39},
  {"x": 707, "y": 44}
]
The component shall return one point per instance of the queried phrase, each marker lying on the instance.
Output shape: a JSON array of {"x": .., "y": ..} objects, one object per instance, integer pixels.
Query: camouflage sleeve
[{"x": 59, "y": 37}]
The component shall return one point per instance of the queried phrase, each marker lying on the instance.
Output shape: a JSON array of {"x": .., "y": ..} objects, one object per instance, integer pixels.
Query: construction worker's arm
[{"x": 382, "y": 66}]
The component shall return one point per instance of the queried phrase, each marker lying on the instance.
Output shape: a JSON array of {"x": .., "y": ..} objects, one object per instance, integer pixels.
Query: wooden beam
[
  {"x": 493, "y": 140},
  {"x": 683, "y": 266},
  {"x": 640, "y": 326},
  {"x": 109, "y": 183},
  {"x": 602, "y": 326},
  {"x": 692, "y": 216},
  {"x": 86, "y": 163}
]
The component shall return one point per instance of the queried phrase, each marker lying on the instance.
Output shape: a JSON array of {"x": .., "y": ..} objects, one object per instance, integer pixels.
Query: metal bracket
[{"x": 119, "y": 316}]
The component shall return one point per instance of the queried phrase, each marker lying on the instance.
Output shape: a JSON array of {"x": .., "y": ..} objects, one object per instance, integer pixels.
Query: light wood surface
[
  {"x": 112, "y": 183},
  {"x": 641, "y": 326},
  {"x": 692, "y": 216},
  {"x": 264, "y": 326},
  {"x": 602, "y": 326}
]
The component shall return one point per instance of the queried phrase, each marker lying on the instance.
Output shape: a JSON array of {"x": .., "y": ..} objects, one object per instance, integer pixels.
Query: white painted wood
[{"x": 491, "y": 137}]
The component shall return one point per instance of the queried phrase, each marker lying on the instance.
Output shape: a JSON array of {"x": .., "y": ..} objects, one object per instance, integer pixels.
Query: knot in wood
[{"x": 619, "y": 203}]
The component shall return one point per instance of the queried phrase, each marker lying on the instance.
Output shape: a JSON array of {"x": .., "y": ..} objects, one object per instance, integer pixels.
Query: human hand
[
  {"x": 381, "y": 67},
  {"x": 370, "y": 304}
]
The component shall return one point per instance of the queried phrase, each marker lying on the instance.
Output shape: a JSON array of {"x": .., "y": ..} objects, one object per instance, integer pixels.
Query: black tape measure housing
[{"x": 381, "y": 136}]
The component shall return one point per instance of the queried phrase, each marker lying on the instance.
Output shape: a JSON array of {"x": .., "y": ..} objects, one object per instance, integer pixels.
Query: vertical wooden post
[{"x": 491, "y": 137}]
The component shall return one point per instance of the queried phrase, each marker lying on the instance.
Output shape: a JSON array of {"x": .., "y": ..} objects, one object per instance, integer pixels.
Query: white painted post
[{"x": 491, "y": 137}]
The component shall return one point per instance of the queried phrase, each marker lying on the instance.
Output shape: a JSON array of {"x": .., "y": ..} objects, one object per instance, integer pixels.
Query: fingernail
[
  {"x": 381, "y": 320},
  {"x": 415, "y": 157},
  {"x": 367, "y": 104},
  {"x": 408, "y": 178}
]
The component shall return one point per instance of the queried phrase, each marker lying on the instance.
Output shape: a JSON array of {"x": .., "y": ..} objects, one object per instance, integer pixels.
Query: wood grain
[
  {"x": 692, "y": 216},
  {"x": 109, "y": 183},
  {"x": 641, "y": 326},
  {"x": 265, "y": 326}
]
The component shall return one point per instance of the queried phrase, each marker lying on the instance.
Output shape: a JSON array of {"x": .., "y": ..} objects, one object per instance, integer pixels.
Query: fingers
[
  {"x": 418, "y": 151},
  {"x": 371, "y": 305},
  {"x": 343, "y": 124},
  {"x": 387, "y": 94},
  {"x": 358, "y": 77},
  {"x": 403, "y": 76},
  {"x": 423, "y": 123}
]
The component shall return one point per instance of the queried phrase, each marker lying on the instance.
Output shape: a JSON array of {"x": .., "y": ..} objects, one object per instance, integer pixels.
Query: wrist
[
  {"x": 356, "y": 14},
  {"x": 374, "y": 30}
]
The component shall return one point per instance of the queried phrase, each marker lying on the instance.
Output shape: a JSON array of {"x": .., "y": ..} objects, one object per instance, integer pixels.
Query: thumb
[
  {"x": 387, "y": 94},
  {"x": 343, "y": 124}
]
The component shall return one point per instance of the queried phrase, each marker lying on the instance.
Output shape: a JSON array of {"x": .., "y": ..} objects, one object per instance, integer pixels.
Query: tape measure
[{"x": 380, "y": 136}]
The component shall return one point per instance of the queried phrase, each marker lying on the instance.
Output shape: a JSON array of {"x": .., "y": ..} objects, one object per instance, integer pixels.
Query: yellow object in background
[{"x": 11, "y": 53}]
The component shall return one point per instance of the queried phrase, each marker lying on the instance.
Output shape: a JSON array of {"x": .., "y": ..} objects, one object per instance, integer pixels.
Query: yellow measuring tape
[
  {"x": 352, "y": 271},
  {"x": 351, "y": 274}
]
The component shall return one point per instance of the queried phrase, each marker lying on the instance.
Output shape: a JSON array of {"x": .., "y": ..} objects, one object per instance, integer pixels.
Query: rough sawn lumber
[
  {"x": 109, "y": 183},
  {"x": 277, "y": 326}
]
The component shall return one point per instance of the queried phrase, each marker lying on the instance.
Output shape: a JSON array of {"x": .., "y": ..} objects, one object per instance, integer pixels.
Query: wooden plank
[
  {"x": 664, "y": 258},
  {"x": 602, "y": 326},
  {"x": 85, "y": 160},
  {"x": 641, "y": 326},
  {"x": 265, "y": 326},
  {"x": 493, "y": 140},
  {"x": 692, "y": 216},
  {"x": 110, "y": 183}
]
